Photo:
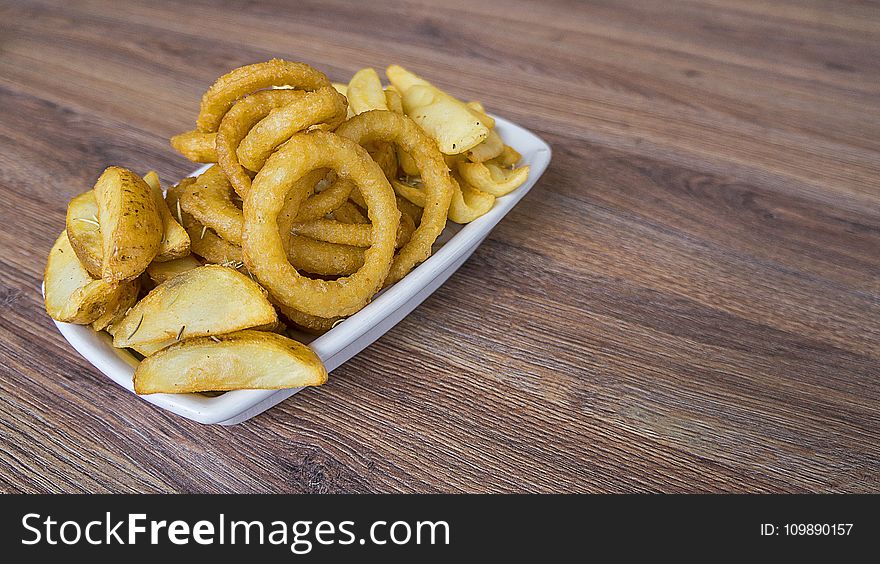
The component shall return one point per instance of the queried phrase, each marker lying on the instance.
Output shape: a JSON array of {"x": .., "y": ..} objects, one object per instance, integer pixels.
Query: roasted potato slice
[
  {"x": 365, "y": 92},
  {"x": 403, "y": 80},
  {"x": 446, "y": 120},
  {"x": 128, "y": 295},
  {"x": 175, "y": 240},
  {"x": 208, "y": 300},
  {"x": 84, "y": 231},
  {"x": 490, "y": 148},
  {"x": 161, "y": 271},
  {"x": 71, "y": 294},
  {"x": 131, "y": 227},
  {"x": 493, "y": 179},
  {"x": 242, "y": 360}
]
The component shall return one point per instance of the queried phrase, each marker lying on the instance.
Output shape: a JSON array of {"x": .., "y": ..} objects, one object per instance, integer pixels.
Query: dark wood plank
[{"x": 688, "y": 301}]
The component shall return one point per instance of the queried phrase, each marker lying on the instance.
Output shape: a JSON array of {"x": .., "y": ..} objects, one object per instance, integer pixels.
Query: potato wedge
[
  {"x": 468, "y": 203},
  {"x": 71, "y": 294},
  {"x": 365, "y": 92},
  {"x": 242, "y": 360},
  {"x": 343, "y": 89},
  {"x": 493, "y": 179},
  {"x": 208, "y": 300},
  {"x": 393, "y": 100},
  {"x": 161, "y": 271},
  {"x": 479, "y": 111},
  {"x": 128, "y": 295},
  {"x": 402, "y": 79},
  {"x": 131, "y": 228},
  {"x": 446, "y": 120},
  {"x": 84, "y": 231},
  {"x": 508, "y": 157},
  {"x": 175, "y": 240},
  {"x": 490, "y": 148}
]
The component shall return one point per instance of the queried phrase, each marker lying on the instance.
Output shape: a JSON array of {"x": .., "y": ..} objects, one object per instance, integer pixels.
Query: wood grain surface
[{"x": 688, "y": 300}]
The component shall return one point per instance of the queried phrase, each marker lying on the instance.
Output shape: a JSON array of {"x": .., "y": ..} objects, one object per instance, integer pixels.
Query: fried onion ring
[
  {"x": 323, "y": 106},
  {"x": 245, "y": 80},
  {"x": 196, "y": 146},
  {"x": 210, "y": 200},
  {"x": 380, "y": 125},
  {"x": 262, "y": 246}
]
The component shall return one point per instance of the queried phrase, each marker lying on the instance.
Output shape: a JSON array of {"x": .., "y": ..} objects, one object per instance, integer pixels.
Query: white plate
[{"x": 351, "y": 336}]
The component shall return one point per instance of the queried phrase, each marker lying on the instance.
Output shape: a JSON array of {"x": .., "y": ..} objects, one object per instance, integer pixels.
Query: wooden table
[{"x": 689, "y": 299}]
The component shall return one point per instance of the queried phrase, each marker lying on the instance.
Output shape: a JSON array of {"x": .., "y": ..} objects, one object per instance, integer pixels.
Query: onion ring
[
  {"x": 323, "y": 106},
  {"x": 242, "y": 81},
  {"x": 210, "y": 201},
  {"x": 380, "y": 125},
  {"x": 353, "y": 235},
  {"x": 236, "y": 124},
  {"x": 196, "y": 146},
  {"x": 262, "y": 246}
]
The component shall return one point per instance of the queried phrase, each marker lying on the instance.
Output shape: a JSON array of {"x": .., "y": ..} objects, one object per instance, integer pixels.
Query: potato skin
[
  {"x": 242, "y": 360},
  {"x": 131, "y": 227},
  {"x": 84, "y": 235}
]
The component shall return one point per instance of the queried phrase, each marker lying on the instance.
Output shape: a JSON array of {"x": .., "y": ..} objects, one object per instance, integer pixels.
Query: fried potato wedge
[
  {"x": 175, "y": 239},
  {"x": 242, "y": 360},
  {"x": 208, "y": 300},
  {"x": 402, "y": 79},
  {"x": 161, "y": 271},
  {"x": 491, "y": 178},
  {"x": 479, "y": 111},
  {"x": 365, "y": 92},
  {"x": 508, "y": 157},
  {"x": 71, "y": 294},
  {"x": 490, "y": 148},
  {"x": 84, "y": 231},
  {"x": 131, "y": 227},
  {"x": 126, "y": 298},
  {"x": 446, "y": 120}
]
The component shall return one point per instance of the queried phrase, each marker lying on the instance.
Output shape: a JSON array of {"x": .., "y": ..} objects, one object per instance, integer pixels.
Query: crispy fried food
[
  {"x": 262, "y": 247},
  {"x": 84, "y": 231},
  {"x": 322, "y": 258},
  {"x": 247, "y": 79},
  {"x": 489, "y": 148},
  {"x": 326, "y": 201},
  {"x": 126, "y": 297},
  {"x": 161, "y": 271},
  {"x": 365, "y": 92},
  {"x": 309, "y": 323},
  {"x": 508, "y": 157},
  {"x": 196, "y": 146},
  {"x": 402, "y": 79},
  {"x": 236, "y": 124},
  {"x": 131, "y": 227},
  {"x": 493, "y": 179},
  {"x": 207, "y": 300},
  {"x": 210, "y": 201},
  {"x": 204, "y": 242},
  {"x": 479, "y": 111},
  {"x": 393, "y": 100},
  {"x": 467, "y": 204},
  {"x": 355, "y": 235},
  {"x": 237, "y": 361},
  {"x": 324, "y": 106},
  {"x": 446, "y": 120},
  {"x": 175, "y": 240},
  {"x": 71, "y": 294},
  {"x": 395, "y": 128}
]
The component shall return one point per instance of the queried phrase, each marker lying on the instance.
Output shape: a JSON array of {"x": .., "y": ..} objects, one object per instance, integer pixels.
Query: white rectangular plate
[{"x": 351, "y": 336}]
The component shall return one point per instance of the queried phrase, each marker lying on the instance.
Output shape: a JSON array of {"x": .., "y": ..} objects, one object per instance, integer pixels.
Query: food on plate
[
  {"x": 131, "y": 227},
  {"x": 319, "y": 196},
  {"x": 196, "y": 146},
  {"x": 207, "y": 300},
  {"x": 84, "y": 232},
  {"x": 161, "y": 271},
  {"x": 492, "y": 178},
  {"x": 262, "y": 249},
  {"x": 72, "y": 295},
  {"x": 175, "y": 240},
  {"x": 241, "y": 360},
  {"x": 365, "y": 92},
  {"x": 245, "y": 80}
]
